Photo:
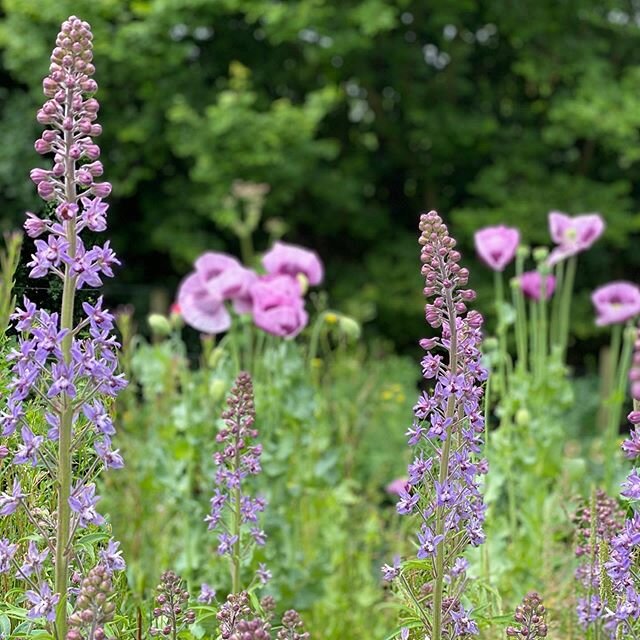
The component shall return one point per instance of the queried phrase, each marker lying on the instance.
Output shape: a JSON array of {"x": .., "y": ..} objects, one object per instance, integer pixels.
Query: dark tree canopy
[{"x": 359, "y": 114}]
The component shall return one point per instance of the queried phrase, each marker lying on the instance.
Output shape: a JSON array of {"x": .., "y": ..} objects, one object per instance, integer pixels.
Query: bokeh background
[{"x": 359, "y": 114}]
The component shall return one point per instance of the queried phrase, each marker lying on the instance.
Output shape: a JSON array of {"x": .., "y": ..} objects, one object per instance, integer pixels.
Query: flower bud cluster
[
  {"x": 71, "y": 112},
  {"x": 171, "y": 614},
  {"x": 292, "y": 627},
  {"x": 234, "y": 610},
  {"x": 238, "y": 458},
  {"x": 443, "y": 479},
  {"x": 93, "y": 607},
  {"x": 530, "y": 616},
  {"x": 255, "y": 629}
]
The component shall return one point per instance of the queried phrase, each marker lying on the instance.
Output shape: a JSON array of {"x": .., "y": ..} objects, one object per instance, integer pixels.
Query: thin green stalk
[
  {"x": 501, "y": 331},
  {"x": 521, "y": 323},
  {"x": 246, "y": 247},
  {"x": 567, "y": 293},
  {"x": 556, "y": 305},
  {"x": 443, "y": 474},
  {"x": 535, "y": 337},
  {"x": 621, "y": 360},
  {"x": 235, "y": 527},
  {"x": 66, "y": 419}
]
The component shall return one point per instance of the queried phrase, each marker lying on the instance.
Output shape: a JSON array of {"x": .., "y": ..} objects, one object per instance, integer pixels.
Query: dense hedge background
[{"x": 359, "y": 114}]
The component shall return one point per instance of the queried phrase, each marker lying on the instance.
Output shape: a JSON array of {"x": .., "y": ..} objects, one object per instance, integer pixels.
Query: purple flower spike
[
  {"x": 616, "y": 302},
  {"x": 573, "y": 234},
  {"x": 497, "y": 246},
  {"x": 531, "y": 285},
  {"x": 292, "y": 260},
  {"x": 443, "y": 487},
  {"x": 63, "y": 366}
]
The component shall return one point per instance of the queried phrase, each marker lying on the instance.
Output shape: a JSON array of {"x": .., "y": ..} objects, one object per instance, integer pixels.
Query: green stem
[
  {"x": 501, "y": 331},
  {"x": 544, "y": 338},
  {"x": 621, "y": 359},
  {"x": 443, "y": 475},
  {"x": 235, "y": 527},
  {"x": 315, "y": 337},
  {"x": 567, "y": 293},
  {"x": 535, "y": 336},
  {"x": 66, "y": 418},
  {"x": 246, "y": 247},
  {"x": 556, "y": 305},
  {"x": 521, "y": 318}
]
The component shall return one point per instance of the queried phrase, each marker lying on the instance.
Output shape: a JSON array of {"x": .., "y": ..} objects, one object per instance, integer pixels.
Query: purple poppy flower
[
  {"x": 292, "y": 260},
  {"x": 573, "y": 234},
  {"x": 531, "y": 285},
  {"x": 200, "y": 308},
  {"x": 616, "y": 302},
  {"x": 497, "y": 246},
  {"x": 278, "y": 306},
  {"x": 225, "y": 278}
]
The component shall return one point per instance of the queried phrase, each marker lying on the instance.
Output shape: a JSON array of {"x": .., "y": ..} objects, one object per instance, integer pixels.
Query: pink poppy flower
[
  {"x": 225, "y": 277},
  {"x": 278, "y": 306},
  {"x": 531, "y": 285},
  {"x": 497, "y": 246},
  {"x": 573, "y": 234},
  {"x": 290, "y": 259},
  {"x": 200, "y": 308},
  {"x": 397, "y": 486},
  {"x": 616, "y": 302}
]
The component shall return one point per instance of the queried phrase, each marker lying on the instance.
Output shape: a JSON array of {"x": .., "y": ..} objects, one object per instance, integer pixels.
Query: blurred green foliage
[
  {"x": 359, "y": 113},
  {"x": 330, "y": 522}
]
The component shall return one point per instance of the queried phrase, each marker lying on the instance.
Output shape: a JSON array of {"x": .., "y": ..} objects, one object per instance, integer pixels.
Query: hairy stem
[
  {"x": 443, "y": 475},
  {"x": 66, "y": 416}
]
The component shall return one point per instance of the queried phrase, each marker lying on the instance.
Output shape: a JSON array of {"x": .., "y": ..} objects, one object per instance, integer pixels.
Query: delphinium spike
[
  {"x": 443, "y": 488},
  {"x": 65, "y": 368}
]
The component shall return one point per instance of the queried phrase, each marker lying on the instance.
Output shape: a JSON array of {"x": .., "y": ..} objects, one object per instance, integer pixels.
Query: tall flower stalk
[
  {"x": 63, "y": 367},
  {"x": 234, "y": 513},
  {"x": 622, "y": 601},
  {"x": 443, "y": 479}
]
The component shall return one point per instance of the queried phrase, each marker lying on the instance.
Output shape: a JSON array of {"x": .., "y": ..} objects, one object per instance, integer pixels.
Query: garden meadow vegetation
[{"x": 273, "y": 483}]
